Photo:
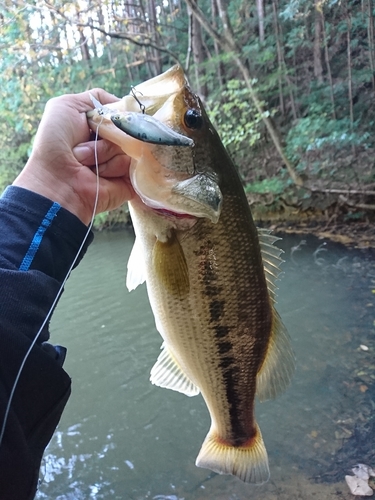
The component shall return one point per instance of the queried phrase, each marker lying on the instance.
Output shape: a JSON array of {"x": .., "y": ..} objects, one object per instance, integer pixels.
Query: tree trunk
[
  {"x": 371, "y": 44},
  {"x": 350, "y": 81},
  {"x": 283, "y": 71},
  {"x": 220, "y": 65},
  {"x": 228, "y": 44},
  {"x": 83, "y": 45},
  {"x": 318, "y": 67},
  {"x": 260, "y": 11},
  {"x": 279, "y": 58},
  {"x": 328, "y": 64},
  {"x": 82, "y": 39},
  {"x": 198, "y": 55},
  {"x": 93, "y": 40},
  {"x": 154, "y": 35},
  {"x": 190, "y": 41}
]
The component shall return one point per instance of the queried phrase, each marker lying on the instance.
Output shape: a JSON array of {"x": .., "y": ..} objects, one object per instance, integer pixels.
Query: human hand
[{"x": 60, "y": 165}]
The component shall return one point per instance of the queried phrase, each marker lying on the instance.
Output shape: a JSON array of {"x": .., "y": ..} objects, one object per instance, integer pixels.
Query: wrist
[{"x": 42, "y": 182}]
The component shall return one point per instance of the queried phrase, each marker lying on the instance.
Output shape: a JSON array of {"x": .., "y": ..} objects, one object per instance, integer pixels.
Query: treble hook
[{"x": 142, "y": 106}]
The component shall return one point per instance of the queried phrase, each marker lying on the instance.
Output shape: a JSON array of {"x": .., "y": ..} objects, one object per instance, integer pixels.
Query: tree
[{"x": 228, "y": 44}]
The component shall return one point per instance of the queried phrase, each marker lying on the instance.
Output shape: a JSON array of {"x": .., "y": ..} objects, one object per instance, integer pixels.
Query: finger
[
  {"x": 82, "y": 102},
  {"x": 118, "y": 166},
  {"x": 114, "y": 192},
  {"x": 102, "y": 150},
  {"x": 102, "y": 96}
]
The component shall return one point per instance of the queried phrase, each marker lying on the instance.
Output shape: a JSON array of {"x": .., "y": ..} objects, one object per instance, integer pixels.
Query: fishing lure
[{"x": 144, "y": 127}]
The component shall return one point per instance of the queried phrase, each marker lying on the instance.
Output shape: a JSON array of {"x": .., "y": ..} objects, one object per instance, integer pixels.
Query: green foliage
[
  {"x": 317, "y": 138},
  {"x": 273, "y": 185},
  {"x": 235, "y": 118},
  {"x": 113, "y": 219},
  {"x": 354, "y": 216}
]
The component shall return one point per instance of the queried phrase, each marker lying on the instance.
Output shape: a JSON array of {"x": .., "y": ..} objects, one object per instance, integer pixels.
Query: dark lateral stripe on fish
[
  {"x": 231, "y": 373},
  {"x": 240, "y": 443},
  {"x": 241, "y": 430},
  {"x": 221, "y": 331},
  {"x": 217, "y": 310},
  {"x": 223, "y": 346}
]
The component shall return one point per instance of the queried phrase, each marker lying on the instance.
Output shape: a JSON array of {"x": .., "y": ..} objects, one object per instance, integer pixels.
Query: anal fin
[{"x": 167, "y": 373}]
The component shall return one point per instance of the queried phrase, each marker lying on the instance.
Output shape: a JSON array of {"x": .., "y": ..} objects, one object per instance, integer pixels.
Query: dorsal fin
[
  {"x": 278, "y": 367},
  {"x": 271, "y": 259}
]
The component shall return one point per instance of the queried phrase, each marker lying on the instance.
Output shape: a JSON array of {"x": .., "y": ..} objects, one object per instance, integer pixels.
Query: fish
[{"x": 210, "y": 273}]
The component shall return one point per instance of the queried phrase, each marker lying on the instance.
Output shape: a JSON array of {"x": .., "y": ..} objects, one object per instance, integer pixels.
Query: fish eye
[{"x": 193, "y": 119}]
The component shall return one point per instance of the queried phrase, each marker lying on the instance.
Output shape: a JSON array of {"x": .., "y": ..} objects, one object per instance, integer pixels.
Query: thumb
[{"x": 88, "y": 152}]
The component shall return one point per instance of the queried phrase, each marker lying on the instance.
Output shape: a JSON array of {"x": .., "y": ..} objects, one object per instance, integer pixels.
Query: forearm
[{"x": 38, "y": 242}]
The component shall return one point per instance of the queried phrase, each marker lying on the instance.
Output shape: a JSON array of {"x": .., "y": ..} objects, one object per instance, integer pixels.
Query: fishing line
[{"x": 6, "y": 415}]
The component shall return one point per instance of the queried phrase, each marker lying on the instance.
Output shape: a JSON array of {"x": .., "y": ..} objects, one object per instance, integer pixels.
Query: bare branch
[
  {"x": 116, "y": 35},
  {"x": 123, "y": 36}
]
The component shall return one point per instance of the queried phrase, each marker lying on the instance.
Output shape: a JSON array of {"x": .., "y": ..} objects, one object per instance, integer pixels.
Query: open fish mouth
[
  {"x": 175, "y": 195},
  {"x": 169, "y": 213},
  {"x": 159, "y": 138}
]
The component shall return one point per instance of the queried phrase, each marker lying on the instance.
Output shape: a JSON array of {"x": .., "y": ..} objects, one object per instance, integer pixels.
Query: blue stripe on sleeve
[{"x": 38, "y": 236}]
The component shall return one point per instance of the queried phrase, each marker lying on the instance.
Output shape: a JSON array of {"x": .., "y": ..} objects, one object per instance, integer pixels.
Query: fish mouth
[
  {"x": 173, "y": 196},
  {"x": 164, "y": 212}
]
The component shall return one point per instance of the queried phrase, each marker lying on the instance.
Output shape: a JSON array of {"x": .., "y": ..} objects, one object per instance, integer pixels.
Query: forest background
[{"x": 289, "y": 84}]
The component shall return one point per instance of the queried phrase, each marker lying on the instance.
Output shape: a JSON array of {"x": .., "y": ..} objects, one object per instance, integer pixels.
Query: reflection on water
[{"x": 122, "y": 438}]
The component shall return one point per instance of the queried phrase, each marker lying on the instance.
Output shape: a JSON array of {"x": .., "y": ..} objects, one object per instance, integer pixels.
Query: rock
[{"x": 358, "y": 486}]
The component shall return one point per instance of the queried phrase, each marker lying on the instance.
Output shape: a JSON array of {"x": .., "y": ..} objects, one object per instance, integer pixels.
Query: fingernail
[{"x": 81, "y": 152}]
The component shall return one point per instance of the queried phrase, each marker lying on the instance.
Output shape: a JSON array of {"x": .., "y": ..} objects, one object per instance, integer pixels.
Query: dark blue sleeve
[{"x": 38, "y": 243}]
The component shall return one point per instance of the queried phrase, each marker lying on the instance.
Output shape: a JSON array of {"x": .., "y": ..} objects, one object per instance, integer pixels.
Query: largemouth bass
[{"x": 210, "y": 274}]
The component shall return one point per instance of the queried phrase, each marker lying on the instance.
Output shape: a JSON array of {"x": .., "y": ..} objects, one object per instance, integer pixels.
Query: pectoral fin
[
  {"x": 278, "y": 366},
  {"x": 168, "y": 374},
  {"x": 170, "y": 265},
  {"x": 136, "y": 269}
]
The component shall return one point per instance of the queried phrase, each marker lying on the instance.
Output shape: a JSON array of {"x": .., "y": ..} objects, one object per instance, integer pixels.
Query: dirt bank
[{"x": 358, "y": 232}]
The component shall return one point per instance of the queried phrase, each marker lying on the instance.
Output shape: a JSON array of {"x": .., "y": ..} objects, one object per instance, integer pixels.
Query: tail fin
[{"x": 248, "y": 463}]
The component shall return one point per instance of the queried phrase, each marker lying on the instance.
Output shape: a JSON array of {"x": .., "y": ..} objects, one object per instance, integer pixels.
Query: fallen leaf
[{"x": 358, "y": 486}]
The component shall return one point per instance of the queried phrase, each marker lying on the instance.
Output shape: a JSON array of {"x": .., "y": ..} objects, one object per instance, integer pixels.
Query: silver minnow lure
[
  {"x": 142, "y": 127},
  {"x": 147, "y": 129}
]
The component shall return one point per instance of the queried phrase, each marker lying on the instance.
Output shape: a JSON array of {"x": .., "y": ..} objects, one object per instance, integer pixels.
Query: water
[{"x": 122, "y": 438}]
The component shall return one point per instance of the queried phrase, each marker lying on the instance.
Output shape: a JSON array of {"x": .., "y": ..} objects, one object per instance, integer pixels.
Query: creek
[{"x": 122, "y": 438}]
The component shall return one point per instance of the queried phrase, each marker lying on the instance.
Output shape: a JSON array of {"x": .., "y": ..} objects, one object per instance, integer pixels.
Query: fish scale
[{"x": 210, "y": 277}]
